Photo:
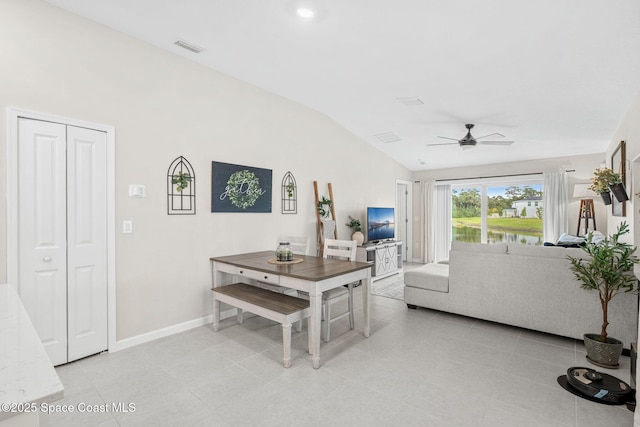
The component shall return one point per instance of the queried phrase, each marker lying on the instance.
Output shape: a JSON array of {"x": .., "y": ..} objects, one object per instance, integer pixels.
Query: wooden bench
[{"x": 281, "y": 308}]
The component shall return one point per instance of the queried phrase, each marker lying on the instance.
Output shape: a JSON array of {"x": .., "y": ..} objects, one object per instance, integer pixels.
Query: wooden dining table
[{"x": 312, "y": 274}]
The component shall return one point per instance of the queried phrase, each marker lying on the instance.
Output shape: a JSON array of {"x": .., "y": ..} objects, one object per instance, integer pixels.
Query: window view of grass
[{"x": 514, "y": 214}]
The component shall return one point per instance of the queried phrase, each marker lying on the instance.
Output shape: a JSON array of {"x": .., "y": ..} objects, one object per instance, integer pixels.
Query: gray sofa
[{"x": 520, "y": 285}]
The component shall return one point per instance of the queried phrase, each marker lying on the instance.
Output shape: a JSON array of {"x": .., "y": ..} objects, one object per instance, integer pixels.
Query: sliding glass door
[
  {"x": 466, "y": 214},
  {"x": 506, "y": 211}
]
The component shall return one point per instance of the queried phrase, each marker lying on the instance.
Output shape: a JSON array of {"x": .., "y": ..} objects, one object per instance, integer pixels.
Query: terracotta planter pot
[
  {"x": 606, "y": 198},
  {"x": 619, "y": 191}
]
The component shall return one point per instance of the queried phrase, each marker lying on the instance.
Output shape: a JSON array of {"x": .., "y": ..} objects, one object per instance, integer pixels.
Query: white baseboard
[{"x": 169, "y": 330}]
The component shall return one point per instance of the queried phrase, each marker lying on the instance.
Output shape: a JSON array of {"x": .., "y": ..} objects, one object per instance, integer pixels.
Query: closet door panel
[
  {"x": 87, "y": 241},
  {"x": 42, "y": 273}
]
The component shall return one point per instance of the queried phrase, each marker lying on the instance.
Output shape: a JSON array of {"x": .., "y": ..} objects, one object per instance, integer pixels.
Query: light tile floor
[{"x": 418, "y": 367}]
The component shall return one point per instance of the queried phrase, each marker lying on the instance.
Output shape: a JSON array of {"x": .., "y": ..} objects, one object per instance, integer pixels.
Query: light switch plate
[
  {"x": 137, "y": 190},
  {"x": 127, "y": 226}
]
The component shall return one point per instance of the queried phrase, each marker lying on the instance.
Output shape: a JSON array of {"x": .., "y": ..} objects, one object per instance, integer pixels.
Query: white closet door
[
  {"x": 42, "y": 231},
  {"x": 86, "y": 241},
  {"x": 62, "y": 229}
]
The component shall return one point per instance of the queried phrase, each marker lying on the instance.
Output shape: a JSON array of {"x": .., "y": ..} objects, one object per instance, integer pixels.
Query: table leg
[
  {"x": 366, "y": 285},
  {"x": 215, "y": 281},
  {"x": 286, "y": 345},
  {"x": 216, "y": 314},
  {"x": 315, "y": 305}
]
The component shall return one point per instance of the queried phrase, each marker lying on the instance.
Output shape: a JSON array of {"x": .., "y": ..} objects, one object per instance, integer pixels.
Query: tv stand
[{"x": 386, "y": 258}]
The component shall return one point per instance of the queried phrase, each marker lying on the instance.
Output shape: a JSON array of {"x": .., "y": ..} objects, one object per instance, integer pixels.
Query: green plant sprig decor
[
  {"x": 602, "y": 178},
  {"x": 182, "y": 179},
  {"x": 354, "y": 224},
  {"x": 324, "y": 207},
  {"x": 608, "y": 270}
]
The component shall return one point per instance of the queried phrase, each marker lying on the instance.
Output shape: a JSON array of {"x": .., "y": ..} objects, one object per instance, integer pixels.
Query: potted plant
[
  {"x": 605, "y": 180},
  {"x": 609, "y": 271},
  {"x": 618, "y": 190},
  {"x": 356, "y": 228}
]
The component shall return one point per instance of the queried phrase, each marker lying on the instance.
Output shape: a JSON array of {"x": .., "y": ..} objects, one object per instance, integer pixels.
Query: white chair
[
  {"x": 340, "y": 249},
  {"x": 299, "y": 244}
]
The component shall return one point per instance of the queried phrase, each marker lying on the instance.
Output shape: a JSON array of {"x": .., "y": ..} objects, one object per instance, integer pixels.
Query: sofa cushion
[
  {"x": 538, "y": 251},
  {"x": 546, "y": 251},
  {"x": 497, "y": 248},
  {"x": 432, "y": 277}
]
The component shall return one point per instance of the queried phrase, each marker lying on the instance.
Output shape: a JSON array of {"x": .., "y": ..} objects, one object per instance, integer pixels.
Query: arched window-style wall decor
[
  {"x": 289, "y": 194},
  {"x": 181, "y": 188}
]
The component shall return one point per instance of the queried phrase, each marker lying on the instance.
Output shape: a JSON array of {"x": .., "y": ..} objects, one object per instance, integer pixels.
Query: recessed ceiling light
[{"x": 305, "y": 12}]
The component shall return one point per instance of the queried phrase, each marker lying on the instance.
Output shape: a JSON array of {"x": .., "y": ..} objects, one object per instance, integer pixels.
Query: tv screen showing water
[{"x": 380, "y": 224}]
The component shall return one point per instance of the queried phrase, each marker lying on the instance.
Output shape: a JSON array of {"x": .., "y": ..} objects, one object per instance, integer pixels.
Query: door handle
[{"x": 47, "y": 259}]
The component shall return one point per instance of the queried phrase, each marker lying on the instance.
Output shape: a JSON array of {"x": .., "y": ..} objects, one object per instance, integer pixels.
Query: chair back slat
[{"x": 340, "y": 249}]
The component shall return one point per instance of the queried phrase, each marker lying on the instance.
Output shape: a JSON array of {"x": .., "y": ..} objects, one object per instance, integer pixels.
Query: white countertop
[{"x": 26, "y": 372}]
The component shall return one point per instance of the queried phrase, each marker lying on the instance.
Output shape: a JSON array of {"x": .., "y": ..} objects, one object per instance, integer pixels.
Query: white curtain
[
  {"x": 556, "y": 201},
  {"x": 426, "y": 224},
  {"x": 442, "y": 222}
]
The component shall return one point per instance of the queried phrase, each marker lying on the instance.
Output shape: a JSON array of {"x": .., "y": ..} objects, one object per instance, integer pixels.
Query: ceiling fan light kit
[{"x": 305, "y": 13}]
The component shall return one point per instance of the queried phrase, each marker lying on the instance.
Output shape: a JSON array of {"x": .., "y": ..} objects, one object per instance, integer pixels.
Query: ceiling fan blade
[
  {"x": 491, "y": 134},
  {"x": 446, "y": 137},
  {"x": 444, "y": 143},
  {"x": 496, "y": 142}
]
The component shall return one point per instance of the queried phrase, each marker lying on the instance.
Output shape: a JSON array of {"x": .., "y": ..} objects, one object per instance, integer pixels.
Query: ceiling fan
[{"x": 469, "y": 141}]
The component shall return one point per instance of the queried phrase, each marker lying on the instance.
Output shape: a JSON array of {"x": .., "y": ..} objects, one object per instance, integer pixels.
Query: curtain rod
[
  {"x": 496, "y": 176},
  {"x": 487, "y": 177}
]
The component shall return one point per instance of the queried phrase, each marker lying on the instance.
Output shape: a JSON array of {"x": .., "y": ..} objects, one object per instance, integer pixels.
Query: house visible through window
[{"x": 508, "y": 210}]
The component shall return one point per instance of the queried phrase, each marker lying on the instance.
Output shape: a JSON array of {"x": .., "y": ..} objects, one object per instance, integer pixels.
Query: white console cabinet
[{"x": 385, "y": 257}]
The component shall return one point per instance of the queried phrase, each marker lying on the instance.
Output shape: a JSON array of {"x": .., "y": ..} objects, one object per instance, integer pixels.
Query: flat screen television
[{"x": 380, "y": 224}]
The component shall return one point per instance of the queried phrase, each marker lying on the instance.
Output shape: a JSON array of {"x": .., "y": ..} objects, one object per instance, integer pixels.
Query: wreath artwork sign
[{"x": 237, "y": 188}]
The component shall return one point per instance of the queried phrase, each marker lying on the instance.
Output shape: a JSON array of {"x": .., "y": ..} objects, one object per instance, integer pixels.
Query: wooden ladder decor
[
  {"x": 333, "y": 217},
  {"x": 587, "y": 213}
]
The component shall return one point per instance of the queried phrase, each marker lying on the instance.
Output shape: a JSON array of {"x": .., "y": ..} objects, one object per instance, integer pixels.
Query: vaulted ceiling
[{"x": 555, "y": 77}]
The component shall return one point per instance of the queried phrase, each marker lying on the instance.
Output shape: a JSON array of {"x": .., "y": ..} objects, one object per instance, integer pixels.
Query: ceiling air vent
[
  {"x": 388, "y": 137},
  {"x": 189, "y": 46},
  {"x": 410, "y": 102}
]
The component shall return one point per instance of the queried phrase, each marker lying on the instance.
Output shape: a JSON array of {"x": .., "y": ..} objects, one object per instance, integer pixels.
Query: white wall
[
  {"x": 629, "y": 131},
  {"x": 164, "y": 106}
]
